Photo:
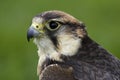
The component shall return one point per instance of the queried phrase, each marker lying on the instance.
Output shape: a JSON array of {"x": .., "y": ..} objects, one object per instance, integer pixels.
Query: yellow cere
[{"x": 38, "y": 27}]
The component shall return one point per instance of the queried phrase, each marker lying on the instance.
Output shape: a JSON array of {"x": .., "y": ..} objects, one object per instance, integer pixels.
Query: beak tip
[
  {"x": 28, "y": 39},
  {"x": 29, "y": 34}
]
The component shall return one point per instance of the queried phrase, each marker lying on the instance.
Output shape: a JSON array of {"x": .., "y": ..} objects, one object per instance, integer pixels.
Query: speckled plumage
[{"x": 83, "y": 59}]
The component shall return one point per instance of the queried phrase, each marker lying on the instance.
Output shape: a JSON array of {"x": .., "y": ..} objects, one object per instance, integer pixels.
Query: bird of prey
[{"x": 66, "y": 52}]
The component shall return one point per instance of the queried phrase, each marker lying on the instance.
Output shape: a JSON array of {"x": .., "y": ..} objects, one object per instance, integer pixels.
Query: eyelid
[{"x": 56, "y": 20}]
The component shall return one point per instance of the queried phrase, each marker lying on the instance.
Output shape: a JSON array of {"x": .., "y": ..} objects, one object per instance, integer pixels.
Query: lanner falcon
[{"x": 66, "y": 52}]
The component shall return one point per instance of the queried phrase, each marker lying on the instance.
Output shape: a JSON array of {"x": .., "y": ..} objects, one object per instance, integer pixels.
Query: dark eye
[{"x": 53, "y": 25}]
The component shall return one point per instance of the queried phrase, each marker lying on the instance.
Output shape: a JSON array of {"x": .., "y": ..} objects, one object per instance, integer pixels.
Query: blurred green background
[{"x": 18, "y": 58}]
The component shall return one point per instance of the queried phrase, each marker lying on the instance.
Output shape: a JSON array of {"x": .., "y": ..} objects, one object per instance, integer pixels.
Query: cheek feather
[{"x": 69, "y": 44}]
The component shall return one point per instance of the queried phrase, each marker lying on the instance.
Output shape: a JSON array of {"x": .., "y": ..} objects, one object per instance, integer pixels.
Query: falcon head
[{"x": 56, "y": 33}]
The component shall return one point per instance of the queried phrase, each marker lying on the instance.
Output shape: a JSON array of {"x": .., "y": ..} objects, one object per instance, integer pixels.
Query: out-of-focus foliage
[{"x": 18, "y": 58}]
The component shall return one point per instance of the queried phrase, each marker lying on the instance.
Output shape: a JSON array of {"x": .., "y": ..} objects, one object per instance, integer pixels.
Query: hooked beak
[{"x": 32, "y": 32}]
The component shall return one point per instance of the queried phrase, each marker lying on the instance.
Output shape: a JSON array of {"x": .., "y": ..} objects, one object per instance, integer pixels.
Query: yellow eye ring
[{"x": 53, "y": 25}]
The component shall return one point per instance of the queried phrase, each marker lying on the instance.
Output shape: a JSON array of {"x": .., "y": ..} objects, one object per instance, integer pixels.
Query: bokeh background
[{"x": 18, "y": 58}]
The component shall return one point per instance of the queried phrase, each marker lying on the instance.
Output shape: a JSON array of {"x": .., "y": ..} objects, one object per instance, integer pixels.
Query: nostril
[{"x": 37, "y": 26}]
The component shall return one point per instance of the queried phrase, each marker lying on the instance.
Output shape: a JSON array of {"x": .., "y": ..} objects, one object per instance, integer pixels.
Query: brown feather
[{"x": 56, "y": 72}]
